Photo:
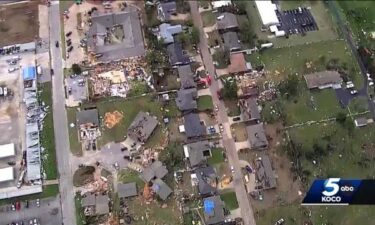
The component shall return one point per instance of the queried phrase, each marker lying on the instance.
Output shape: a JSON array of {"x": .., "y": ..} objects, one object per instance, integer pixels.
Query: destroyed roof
[
  {"x": 249, "y": 109},
  {"x": 360, "y": 122},
  {"x": 161, "y": 189},
  {"x": 89, "y": 116},
  {"x": 127, "y": 190},
  {"x": 142, "y": 127},
  {"x": 167, "y": 31},
  {"x": 186, "y": 77},
  {"x": 132, "y": 44},
  {"x": 323, "y": 79},
  {"x": 227, "y": 21},
  {"x": 231, "y": 41},
  {"x": 257, "y": 136},
  {"x": 186, "y": 99},
  {"x": 101, "y": 204},
  {"x": 213, "y": 210},
  {"x": 166, "y": 9},
  {"x": 88, "y": 200},
  {"x": 155, "y": 170},
  {"x": 176, "y": 55},
  {"x": 193, "y": 126},
  {"x": 238, "y": 63},
  {"x": 207, "y": 180},
  {"x": 264, "y": 172},
  {"x": 194, "y": 152}
]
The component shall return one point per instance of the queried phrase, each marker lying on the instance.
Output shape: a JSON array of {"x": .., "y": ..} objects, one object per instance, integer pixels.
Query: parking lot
[
  {"x": 48, "y": 212},
  {"x": 76, "y": 87},
  {"x": 297, "y": 21}
]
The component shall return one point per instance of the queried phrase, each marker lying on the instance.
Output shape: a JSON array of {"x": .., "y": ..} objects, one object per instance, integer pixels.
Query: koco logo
[{"x": 332, "y": 187}]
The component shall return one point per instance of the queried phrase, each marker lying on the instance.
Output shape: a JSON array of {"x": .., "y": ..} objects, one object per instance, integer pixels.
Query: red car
[{"x": 18, "y": 206}]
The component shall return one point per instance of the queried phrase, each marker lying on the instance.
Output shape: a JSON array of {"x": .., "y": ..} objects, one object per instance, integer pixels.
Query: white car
[
  {"x": 351, "y": 85},
  {"x": 353, "y": 92},
  {"x": 280, "y": 221},
  {"x": 232, "y": 169},
  {"x": 221, "y": 128},
  {"x": 216, "y": 108},
  {"x": 371, "y": 83}
]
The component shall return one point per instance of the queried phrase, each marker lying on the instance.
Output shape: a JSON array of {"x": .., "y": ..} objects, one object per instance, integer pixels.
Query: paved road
[
  {"x": 48, "y": 213},
  {"x": 60, "y": 120},
  {"x": 228, "y": 142},
  {"x": 349, "y": 38}
]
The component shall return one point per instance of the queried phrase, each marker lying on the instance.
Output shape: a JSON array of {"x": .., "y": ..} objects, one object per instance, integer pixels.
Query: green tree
[
  {"x": 246, "y": 33},
  {"x": 229, "y": 91},
  {"x": 289, "y": 87},
  {"x": 341, "y": 118},
  {"x": 194, "y": 35},
  {"x": 76, "y": 69},
  {"x": 222, "y": 57}
]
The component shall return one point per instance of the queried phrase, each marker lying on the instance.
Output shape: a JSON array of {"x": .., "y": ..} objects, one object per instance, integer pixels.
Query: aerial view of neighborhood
[{"x": 187, "y": 112}]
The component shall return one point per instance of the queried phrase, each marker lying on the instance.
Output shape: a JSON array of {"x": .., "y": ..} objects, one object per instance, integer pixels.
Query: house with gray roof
[
  {"x": 207, "y": 181},
  {"x": 166, "y": 9},
  {"x": 231, "y": 41},
  {"x": 213, "y": 209},
  {"x": 142, "y": 127},
  {"x": 186, "y": 77},
  {"x": 193, "y": 126},
  {"x": 197, "y": 153},
  {"x": 97, "y": 204},
  {"x": 264, "y": 173},
  {"x": 257, "y": 136},
  {"x": 161, "y": 189},
  {"x": 127, "y": 190},
  {"x": 227, "y": 22},
  {"x": 154, "y": 171},
  {"x": 115, "y": 36},
  {"x": 167, "y": 32},
  {"x": 87, "y": 118},
  {"x": 249, "y": 109},
  {"x": 187, "y": 99},
  {"x": 176, "y": 55}
]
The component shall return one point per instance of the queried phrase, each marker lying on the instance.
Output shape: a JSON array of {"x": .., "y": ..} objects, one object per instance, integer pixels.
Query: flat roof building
[
  {"x": 323, "y": 79},
  {"x": 267, "y": 12},
  {"x": 6, "y": 174},
  {"x": 7, "y": 150}
]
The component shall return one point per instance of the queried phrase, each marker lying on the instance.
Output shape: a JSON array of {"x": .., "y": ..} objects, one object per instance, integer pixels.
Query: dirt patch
[
  {"x": 111, "y": 119},
  {"x": 18, "y": 23},
  {"x": 83, "y": 176},
  {"x": 239, "y": 132}
]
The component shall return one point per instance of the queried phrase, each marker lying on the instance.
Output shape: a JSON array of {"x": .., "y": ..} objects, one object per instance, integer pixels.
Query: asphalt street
[
  {"x": 228, "y": 142},
  {"x": 60, "y": 120}
]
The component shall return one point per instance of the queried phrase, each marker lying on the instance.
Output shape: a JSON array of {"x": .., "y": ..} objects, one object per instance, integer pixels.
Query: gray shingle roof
[
  {"x": 166, "y": 9},
  {"x": 89, "y": 116},
  {"x": 249, "y": 109},
  {"x": 186, "y": 99},
  {"x": 127, "y": 190},
  {"x": 101, "y": 205},
  {"x": 207, "y": 180},
  {"x": 195, "y": 151},
  {"x": 186, "y": 77},
  {"x": 216, "y": 216},
  {"x": 257, "y": 136},
  {"x": 155, "y": 170},
  {"x": 193, "y": 125},
  {"x": 228, "y": 21},
  {"x": 176, "y": 55},
  {"x": 264, "y": 172},
  {"x": 161, "y": 189},
  {"x": 167, "y": 31},
  {"x": 142, "y": 127},
  {"x": 231, "y": 41}
]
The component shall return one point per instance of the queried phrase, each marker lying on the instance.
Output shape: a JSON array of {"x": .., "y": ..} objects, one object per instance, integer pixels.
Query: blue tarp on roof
[
  {"x": 29, "y": 73},
  {"x": 208, "y": 206}
]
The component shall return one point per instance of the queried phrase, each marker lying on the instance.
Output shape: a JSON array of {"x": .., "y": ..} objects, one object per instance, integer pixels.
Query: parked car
[
  {"x": 68, "y": 34},
  {"x": 216, "y": 108},
  {"x": 38, "y": 202},
  {"x": 18, "y": 205},
  {"x": 371, "y": 83},
  {"x": 221, "y": 127},
  {"x": 353, "y": 92},
  {"x": 232, "y": 169},
  {"x": 280, "y": 221},
  {"x": 249, "y": 169},
  {"x": 57, "y": 44},
  {"x": 11, "y": 70},
  {"x": 13, "y": 62},
  {"x": 70, "y": 49}
]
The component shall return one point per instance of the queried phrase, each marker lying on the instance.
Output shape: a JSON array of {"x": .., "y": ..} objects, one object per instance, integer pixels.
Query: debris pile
[{"x": 111, "y": 119}]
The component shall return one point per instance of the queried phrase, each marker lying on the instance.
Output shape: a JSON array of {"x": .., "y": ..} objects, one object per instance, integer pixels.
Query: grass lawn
[
  {"x": 127, "y": 176},
  {"x": 358, "y": 104},
  {"x": 232, "y": 107},
  {"x": 75, "y": 145},
  {"x": 209, "y": 18},
  {"x": 280, "y": 62},
  {"x": 79, "y": 210},
  {"x": 48, "y": 191},
  {"x": 321, "y": 15},
  {"x": 303, "y": 109},
  {"x": 47, "y": 134},
  {"x": 214, "y": 39},
  {"x": 205, "y": 103},
  {"x": 216, "y": 156},
  {"x": 153, "y": 213},
  {"x": 230, "y": 200}
]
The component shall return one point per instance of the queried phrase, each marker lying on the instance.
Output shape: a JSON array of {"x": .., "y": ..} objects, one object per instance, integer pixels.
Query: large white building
[
  {"x": 7, "y": 150},
  {"x": 6, "y": 174},
  {"x": 267, "y": 12}
]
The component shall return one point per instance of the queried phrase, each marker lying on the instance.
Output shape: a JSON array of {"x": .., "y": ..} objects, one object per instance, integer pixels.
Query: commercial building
[{"x": 267, "y": 12}]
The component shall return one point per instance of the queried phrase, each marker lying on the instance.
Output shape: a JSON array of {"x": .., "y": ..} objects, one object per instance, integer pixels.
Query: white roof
[
  {"x": 7, "y": 150},
  {"x": 181, "y": 128},
  {"x": 6, "y": 174},
  {"x": 218, "y": 4},
  {"x": 273, "y": 28},
  {"x": 186, "y": 151},
  {"x": 267, "y": 12}
]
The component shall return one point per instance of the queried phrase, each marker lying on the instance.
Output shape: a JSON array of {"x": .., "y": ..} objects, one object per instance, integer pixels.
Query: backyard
[
  {"x": 229, "y": 200},
  {"x": 209, "y": 18},
  {"x": 47, "y": 134},
  {"x": 205, "y": 103},
  {"x": 216, "y": 156}
]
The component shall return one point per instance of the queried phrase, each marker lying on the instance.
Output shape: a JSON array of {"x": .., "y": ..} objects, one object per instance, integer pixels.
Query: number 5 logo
[{"x": 331, "y": 187}]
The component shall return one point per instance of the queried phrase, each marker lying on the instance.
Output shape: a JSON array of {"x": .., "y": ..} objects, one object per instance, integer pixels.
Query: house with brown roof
[
  {"x": 323, "y": 79},
  {"x": 238, "y": 64}
]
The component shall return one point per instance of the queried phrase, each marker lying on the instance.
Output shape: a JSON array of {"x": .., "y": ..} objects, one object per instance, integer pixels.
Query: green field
[
  {"x": 229, "y": 200},
  {"x": 47, "y": 134},
  {"x": 205, "y": 103},
  {"x": 75, "y": 145},
  {"x": 216, "y": 156},
  {"x": 79, "y": 210},
  {"x": 321, "y": 15}
]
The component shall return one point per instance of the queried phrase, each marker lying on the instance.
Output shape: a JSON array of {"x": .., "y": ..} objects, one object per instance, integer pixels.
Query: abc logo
[{"x": 331, "y": 188}]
